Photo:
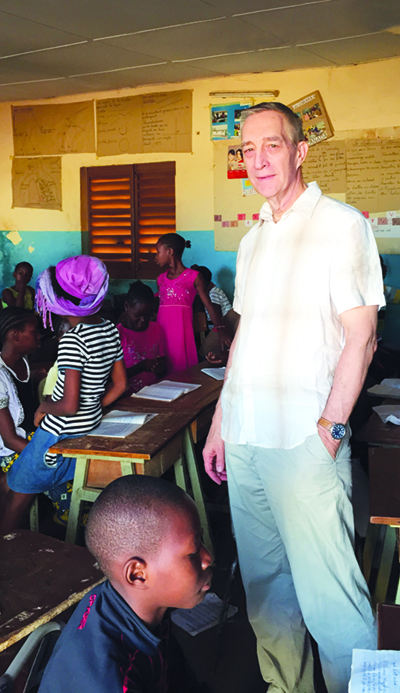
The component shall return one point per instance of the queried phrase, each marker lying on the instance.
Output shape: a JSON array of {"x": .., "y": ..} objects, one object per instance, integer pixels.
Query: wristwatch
[{"x": 337, "y": 430}]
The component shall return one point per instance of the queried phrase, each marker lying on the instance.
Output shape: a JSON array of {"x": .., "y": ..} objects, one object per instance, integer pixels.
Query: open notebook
[
  {"x": 119, "y": 424},
  {"x": 165, "y": 391}
]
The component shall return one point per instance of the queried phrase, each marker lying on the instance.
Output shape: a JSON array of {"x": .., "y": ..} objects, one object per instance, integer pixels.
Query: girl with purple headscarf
[{"x": 89, "y": 354}]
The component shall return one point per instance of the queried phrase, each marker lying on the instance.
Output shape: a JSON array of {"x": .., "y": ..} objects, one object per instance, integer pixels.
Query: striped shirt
[
  {"x": 218, "y": 297},
  {"x": 92, "y": 350}
]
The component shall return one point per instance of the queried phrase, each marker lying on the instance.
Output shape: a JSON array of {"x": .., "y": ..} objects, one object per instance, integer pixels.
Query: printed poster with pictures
[
  {"x": 235, "y": 163},
  {"x": 225, "y": 121},
  {"x": 316, "y": 124}
]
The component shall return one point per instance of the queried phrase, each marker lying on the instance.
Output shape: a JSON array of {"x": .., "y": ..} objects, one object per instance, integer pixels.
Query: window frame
[{"x": 141, "y": 263}]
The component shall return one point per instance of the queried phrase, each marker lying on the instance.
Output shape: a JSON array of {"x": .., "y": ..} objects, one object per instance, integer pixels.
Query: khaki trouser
[{"x": 293, "y": 522}]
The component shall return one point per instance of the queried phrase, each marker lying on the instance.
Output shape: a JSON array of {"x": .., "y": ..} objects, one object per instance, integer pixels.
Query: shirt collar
[{"x": 304, "y": 205}]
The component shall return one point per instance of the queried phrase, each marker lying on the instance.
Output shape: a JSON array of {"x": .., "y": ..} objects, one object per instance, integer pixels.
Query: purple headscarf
[{"x": 82, "y": 277}]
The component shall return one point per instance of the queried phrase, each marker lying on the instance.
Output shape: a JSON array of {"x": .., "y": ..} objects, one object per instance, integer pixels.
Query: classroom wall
[{"x": 356, "y": 97}]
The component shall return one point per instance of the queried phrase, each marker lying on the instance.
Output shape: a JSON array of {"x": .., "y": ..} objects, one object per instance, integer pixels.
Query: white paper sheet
[
  {"x": 375, "y": 671},
  {"x": 388, "y": 413},
  {"x": 165, "y": 391},
  {"x": 205, "y": 615},
  {"x": 217, "y": 373},
  {"x": 120, "y": 423},
  {"x": 389, "y": 387}
]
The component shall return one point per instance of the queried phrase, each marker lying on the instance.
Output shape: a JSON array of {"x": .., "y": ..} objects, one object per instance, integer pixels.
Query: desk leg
[
  {"x": 190, "y": 456},
  {"x": 128, "y": 467},
  {"x": 180, "y": 476},
  {"x": 81, "y": 470},
  {"x": 369, "y": 549},
  {"x": 385, "y": 566}
]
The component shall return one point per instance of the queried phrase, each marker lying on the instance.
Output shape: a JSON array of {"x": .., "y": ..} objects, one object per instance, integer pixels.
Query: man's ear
[
  {"x": 302, "y": 149},
  {"x": 135, "y": 572}
]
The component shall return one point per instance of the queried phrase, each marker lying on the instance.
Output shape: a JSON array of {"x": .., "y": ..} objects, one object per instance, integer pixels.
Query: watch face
[{"x": 338, "y": 431}]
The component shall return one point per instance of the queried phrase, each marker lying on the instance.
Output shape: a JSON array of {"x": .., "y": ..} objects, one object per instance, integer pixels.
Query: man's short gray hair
[{"x": 294, "y": 124}]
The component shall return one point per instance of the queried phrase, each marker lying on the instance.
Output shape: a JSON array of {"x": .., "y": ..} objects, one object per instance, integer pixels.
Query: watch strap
[{"x": 325, "y": 423}]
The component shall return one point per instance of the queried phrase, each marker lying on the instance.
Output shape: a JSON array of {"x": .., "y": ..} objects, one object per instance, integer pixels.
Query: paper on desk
[
  {"x": 375, "y": 671},
  {"x": 217, "y": 373},
  {"x": 120, "y": 423},
  {"x": 205, "y": 615},
  {"x": 388, "y": 413},
  {"x": 165, "y": 391},
  {"x": 389, "y": 387}
]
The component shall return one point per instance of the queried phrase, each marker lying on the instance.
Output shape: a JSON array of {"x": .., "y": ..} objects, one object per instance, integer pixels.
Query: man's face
[
  {"x": 271, "y": 159},
  {"x": 181, "y": 573}
]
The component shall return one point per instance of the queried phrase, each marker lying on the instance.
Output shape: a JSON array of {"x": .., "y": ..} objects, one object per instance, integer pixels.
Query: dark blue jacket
[{"x": 106, "y": 647}]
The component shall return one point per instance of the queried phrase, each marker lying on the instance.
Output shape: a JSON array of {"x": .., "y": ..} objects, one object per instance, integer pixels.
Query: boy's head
[
  {"x": 146, "y": 535},
  {"x": 24, "y": 271}
]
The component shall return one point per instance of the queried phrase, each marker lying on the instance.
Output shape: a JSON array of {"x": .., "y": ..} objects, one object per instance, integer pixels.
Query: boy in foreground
[{"x": 145, "y": 534}]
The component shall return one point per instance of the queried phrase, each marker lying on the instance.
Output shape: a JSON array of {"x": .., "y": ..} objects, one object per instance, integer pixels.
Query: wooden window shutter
[
  {"x": 155, "y": 212},
  {"x": 108, "y": 215},
  {"x": 126, "y": 209}
]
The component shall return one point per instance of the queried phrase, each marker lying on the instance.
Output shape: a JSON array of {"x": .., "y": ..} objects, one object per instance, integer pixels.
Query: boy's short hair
[{"x": 128, "y": 519}]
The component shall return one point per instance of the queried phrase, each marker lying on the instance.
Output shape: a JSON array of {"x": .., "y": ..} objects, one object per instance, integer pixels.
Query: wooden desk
[
  {"x": 164, "y": 441},
  {"x": 40, "y": 577},
  {"x": 375, "y": 432},
  {"x": 201, "y": 401}
]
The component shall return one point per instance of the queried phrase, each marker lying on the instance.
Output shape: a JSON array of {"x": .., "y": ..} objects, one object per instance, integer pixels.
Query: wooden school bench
[{"x": 166, "y": 440}]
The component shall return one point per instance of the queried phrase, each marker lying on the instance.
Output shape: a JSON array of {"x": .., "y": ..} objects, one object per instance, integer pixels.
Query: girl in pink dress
[
  {"x": 142, "y": 341},
  {"x": 177, "y": 290}
]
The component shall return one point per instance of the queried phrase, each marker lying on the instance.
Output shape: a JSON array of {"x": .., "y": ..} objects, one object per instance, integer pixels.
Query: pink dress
[
  {"x": 175, "y": 315},
  {"x": 138, "y": 346}
]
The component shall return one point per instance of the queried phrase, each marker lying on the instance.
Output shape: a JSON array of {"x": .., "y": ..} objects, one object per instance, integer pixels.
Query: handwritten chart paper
[
  {"x": 389, "y": 192},
  {"x": 167, "y": 122},
  {"x": 375, "y": 671},
  {"x": 363, "y": 162},
  {"x": 373, "y": 174},
  {"x": 36, "y": 182},
  {"x": 66, "y": 128},
  {"x": 119, "y": 126},
  {"x": 160, "y": 122},
  {"x": 326, "y": 164}
]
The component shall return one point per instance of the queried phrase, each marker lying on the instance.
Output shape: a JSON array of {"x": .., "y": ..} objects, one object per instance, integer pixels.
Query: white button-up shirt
[{"x": 293, "y": 280}]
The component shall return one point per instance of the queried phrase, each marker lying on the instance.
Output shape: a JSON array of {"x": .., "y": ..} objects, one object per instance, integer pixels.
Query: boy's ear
[
  {"x": 135, "y": 573},
  {"x": 126, "y": 306}
]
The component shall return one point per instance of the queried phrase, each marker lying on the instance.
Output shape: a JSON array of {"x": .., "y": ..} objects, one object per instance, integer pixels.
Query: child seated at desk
[
  {"x": 142, "y": 341},
  {"x": 145, "y": 534},
  {"x": 19, "y": 337},
  {"x": 20, "y": 294},
  {"x": 88, "y": 355}
]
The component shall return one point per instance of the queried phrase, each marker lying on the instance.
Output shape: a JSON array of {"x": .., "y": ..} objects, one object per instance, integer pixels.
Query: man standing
[{"x": 308, "y": 287}]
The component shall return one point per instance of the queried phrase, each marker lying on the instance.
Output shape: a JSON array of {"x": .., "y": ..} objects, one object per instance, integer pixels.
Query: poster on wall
[
  {"x": 156, "y": 122},
  {"x": 316, "y": 124},
  {"x": 225, "y": 121},
  {"x": 235, "y": 163},
  {"x": 62, "y": 128},
  {"x": 36, "y": 182}
]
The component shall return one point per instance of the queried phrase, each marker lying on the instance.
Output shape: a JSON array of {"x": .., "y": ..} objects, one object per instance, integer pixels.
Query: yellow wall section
[{"x": 357, "y": 97}]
